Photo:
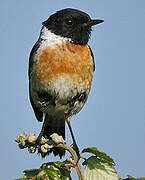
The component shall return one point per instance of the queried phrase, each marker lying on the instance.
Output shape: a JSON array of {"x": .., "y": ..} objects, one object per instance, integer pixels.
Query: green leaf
[
  {"x": 97, "y": 170},
  {"x": 64, "y": 173},
  {"x": 31, "y": 172},
  {"x": 104, "y": 158},
  {"x": 53, "y": 173},
  {"x": 42, "y": 174},
  {"x": 48, "y": 171},
  {"x": 131, "y": 178},
  {"x": 59, "y": 163}
]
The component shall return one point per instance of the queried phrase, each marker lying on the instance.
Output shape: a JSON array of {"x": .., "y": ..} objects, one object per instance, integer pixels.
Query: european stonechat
[{"x": 61, "y": 67}]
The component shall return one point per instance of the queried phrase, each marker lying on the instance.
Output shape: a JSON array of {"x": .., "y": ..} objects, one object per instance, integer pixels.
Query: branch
[{"x": 29, "y": 141}]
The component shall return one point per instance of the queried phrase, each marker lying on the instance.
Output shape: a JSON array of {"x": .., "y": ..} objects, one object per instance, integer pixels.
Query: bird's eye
[{"x": 69, "y": 22}]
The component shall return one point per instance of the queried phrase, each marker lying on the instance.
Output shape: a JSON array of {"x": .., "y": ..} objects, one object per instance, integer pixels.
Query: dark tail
[{"x": 50, "y": 126}]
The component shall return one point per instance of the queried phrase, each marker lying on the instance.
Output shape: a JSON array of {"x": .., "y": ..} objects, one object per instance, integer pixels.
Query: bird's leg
[
  {"x": 74, "y": 146},
  {"x": 38, "y": 141}
]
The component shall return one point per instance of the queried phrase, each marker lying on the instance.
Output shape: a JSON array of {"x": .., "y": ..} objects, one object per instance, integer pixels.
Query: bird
[{"x": 61, "y": 68}]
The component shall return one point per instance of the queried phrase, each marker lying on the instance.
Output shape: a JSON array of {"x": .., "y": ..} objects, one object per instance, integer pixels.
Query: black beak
[{"x": 94, "y": 22}]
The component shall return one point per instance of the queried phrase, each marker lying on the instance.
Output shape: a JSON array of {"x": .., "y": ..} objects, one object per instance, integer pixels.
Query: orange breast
[{"x": 65, "y": 59}]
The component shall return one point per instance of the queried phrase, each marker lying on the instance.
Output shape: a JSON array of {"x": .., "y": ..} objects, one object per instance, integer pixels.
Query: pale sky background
[{"x": 113, "y": 118}]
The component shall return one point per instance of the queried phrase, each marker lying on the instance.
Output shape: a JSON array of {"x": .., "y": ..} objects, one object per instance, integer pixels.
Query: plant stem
[
  {"x": 75, "y": 164},
  {"x": 79, "y": 171}
]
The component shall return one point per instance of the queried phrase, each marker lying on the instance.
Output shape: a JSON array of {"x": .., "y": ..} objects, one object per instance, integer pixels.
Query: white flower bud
[
  {"x": 32, "y": 149},
  {"x": 22, "y": 144},
  {"x": 21, "y": 137},
  {"x": 70, "y": 160},
  {"x": 57, "y": 139},
  {"x": 32, "y": 138},
  {"x": 45, "y": 148},
  {"x": 43, "y": 140}
]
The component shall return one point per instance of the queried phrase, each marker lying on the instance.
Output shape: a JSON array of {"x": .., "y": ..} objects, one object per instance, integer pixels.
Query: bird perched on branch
[{"x": 61, "y": 67}]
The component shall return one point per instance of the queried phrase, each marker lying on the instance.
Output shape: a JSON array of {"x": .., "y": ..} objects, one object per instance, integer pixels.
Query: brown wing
[{"x": 38, "y": 113}]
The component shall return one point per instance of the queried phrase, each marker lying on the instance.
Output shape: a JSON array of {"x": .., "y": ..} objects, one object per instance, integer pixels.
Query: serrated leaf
[
  {"x": 96, "y": 170},
  {"x": 48, "y": 171},
  {"x": 100, "y": 155}
]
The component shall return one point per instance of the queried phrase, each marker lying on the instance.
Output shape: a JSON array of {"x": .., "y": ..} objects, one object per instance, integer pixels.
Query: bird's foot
[
  {"x": 38, "y": 143},
  {"x": 40, "y": 140}
]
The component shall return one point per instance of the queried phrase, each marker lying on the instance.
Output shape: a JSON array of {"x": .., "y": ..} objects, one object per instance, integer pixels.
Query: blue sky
[{"x": 113, "y": 118}]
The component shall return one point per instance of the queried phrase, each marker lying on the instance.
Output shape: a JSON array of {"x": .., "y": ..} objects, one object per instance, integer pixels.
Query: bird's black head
[{"x": 71, "y": 23}]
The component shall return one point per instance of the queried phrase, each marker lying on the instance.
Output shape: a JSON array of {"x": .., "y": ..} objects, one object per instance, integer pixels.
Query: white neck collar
[{"x": 52, "y": 38}]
